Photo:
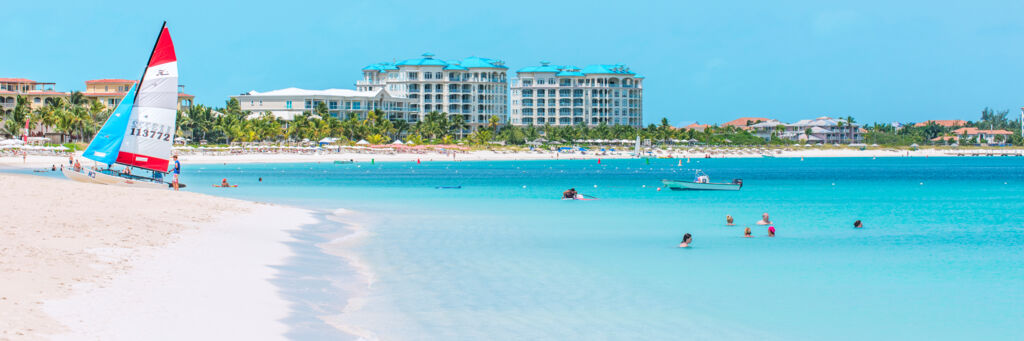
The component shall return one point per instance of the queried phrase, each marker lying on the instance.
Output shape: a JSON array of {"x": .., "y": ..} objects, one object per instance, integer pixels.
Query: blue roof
[
  {"x": 542, "y": 68},
  {"x": 381, "y": 67},
  {"x": 429, "y": 60},
  {"x": 608, "y": 69},
  {"x": 574, "y": 71}
]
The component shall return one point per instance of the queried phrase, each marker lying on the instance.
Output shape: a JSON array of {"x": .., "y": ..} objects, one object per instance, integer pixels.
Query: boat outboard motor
[{"x": 738, "y": 181}]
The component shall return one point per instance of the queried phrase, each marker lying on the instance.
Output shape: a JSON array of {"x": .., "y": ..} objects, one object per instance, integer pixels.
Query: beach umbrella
[
  {"x": 362, "y": 142},
  {"x": 398, "y": 142}
]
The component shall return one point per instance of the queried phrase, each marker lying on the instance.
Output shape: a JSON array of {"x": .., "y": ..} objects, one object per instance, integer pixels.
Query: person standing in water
[
  {"x": 857, "y": 224},
  {"x": 687, "y": 239},
  {"x": 728, "y": 220},
  {"x": 771, "y": 231},
  {"x": 176, "y": 171},
  {"x": 765, "y": 220},
  {"x": 747, "y": 233}
]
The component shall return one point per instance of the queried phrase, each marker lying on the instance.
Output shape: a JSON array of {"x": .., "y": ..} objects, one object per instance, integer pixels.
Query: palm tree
[
  {"x": 492, "y": 122},
  {"x": 458, "y": 124}
]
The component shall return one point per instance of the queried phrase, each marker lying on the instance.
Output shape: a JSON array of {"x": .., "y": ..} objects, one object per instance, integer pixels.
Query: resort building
[
  {"x": 820, "y": 130},
  {"x": 341, "y": 103},
  {"x": 569, "y": 95},
  {"x": 474, "y": 87},
  {"x": 37, "y": 93},
  {"x": 111, "y": 91},
  {"x": 943, "y": 123}
]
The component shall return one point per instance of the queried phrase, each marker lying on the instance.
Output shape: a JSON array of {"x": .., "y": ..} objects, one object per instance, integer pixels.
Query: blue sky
[{"x": 704, "y": 61}]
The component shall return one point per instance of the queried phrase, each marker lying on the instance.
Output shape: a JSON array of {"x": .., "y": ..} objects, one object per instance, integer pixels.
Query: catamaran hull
[
  {"x": 95, "y": 177},
  {"x": 687, "y": 185}
]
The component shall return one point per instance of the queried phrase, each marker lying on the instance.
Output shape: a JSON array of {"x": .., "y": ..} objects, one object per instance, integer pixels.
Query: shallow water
[{"x": 940, "y": 256}]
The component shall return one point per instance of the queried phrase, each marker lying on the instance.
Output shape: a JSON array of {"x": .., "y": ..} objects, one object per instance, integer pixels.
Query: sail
[
  {"x": 636, "y": 148},
  {"x": 105, "y": 146},
  {"x": 150, "y": 130}
]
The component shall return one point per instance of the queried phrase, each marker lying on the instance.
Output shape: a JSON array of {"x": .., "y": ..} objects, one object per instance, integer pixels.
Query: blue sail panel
[{"x": 105, "y": 145}]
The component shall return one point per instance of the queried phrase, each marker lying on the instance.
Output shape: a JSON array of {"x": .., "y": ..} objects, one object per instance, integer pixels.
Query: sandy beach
[{"x": 78, "y": 259}]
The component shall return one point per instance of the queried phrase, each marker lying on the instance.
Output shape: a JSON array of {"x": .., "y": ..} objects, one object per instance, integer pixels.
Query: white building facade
[
  {"x": 474, "y": 87},
  {"x": 341, "y": 103},
  {"x": 825, "y": 130},
  {"x": 569, "y": 95}
]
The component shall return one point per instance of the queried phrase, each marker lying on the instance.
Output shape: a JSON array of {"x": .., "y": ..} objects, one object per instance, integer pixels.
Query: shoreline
[
  {"x": 78, "y": 264},
  {"x": 45, "y": 161}
]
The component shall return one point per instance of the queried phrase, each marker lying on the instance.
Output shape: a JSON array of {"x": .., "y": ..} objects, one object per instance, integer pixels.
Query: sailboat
[{"x": 140, "y": 131}]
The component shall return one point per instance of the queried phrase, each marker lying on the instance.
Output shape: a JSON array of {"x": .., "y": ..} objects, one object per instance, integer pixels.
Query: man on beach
[{"x": 177, "y": 171}]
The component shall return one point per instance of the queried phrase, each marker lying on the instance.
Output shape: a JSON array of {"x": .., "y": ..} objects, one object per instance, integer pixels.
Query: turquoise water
[{"x": 940, "y": 257}]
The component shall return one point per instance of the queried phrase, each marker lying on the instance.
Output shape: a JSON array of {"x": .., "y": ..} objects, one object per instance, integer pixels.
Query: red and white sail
[{"x": 150, "y": 132}]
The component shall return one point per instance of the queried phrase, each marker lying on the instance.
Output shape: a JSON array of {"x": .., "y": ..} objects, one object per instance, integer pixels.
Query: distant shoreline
[{"x": 40, "y": 161}]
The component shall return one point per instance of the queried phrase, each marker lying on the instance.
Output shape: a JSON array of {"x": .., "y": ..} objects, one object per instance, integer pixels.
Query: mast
[{"x": 150, "y": 59}]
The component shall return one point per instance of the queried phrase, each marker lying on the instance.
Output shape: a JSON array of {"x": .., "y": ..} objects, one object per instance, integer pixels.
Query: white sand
[{"x": 92, "y": 262}]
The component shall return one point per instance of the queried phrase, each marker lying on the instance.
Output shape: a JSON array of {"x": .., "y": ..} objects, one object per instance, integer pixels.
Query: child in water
[
  {"x": 687, "y": 239},
  {"x": 728, "y": 220},
  {"x": 857, "y": 224},
  {"x": 747, "y": 234}
]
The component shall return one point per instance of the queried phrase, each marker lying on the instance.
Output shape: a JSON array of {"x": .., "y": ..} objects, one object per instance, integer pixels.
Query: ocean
[{"x": 503, "y": 258}]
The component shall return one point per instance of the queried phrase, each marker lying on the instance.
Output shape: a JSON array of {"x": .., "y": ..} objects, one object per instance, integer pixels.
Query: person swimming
[
  {"x": 728, "y": 220},
  {"x": 687, "y": 239},
  {"x": 857, "y": 224},
  {"x": 765, "y": 220},
  {"x": 747, "y": 233},
  {"x": 569, "y": 194},
  {"x": 771, "y": 231}
]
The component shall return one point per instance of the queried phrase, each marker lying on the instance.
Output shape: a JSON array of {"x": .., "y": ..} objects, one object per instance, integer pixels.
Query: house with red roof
[
  {"x": 943, "y": 123},
  {"x": 37, "y": 93},
  {"x": 982, "y": 136},
  {"x": 696, "y": 126},
  {"x": 745, "y": 122},
  {"x": 111, "y": 91}
]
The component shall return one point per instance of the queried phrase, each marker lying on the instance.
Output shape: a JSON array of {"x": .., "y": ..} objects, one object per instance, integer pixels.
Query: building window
[
  {"x": 110, "y": 102},
  {"x": 413, "y": 76},
  {"x": 288, "y": 104},
  {"x": 333, "y": 105},
  {"x": 428, "y": 75}
]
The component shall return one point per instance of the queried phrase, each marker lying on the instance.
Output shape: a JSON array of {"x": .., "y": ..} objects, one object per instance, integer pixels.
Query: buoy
[
  {"x": 595, "y": 186},
  {"x": 659, "y": 189},
  {"x": 644, "y": 186},
  {"x": 524, "y": 186}
]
